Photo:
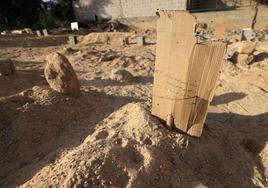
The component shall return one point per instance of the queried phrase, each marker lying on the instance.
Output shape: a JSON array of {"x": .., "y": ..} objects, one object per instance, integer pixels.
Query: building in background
[{"x": 86, "y": 10}]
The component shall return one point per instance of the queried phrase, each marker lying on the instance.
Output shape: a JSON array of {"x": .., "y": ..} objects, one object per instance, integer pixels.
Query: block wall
[{"x": 86, "y": 10}]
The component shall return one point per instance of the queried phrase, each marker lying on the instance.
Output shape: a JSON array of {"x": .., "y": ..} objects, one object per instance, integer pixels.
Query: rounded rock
[{"x": 60, "y": 75}]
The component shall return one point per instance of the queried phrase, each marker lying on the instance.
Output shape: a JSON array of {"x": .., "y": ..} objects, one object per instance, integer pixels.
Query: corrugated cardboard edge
[{"x": 210, "y": 75}]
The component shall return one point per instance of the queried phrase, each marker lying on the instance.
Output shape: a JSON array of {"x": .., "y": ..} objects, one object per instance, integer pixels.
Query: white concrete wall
[{"x": 86, "y": 9}]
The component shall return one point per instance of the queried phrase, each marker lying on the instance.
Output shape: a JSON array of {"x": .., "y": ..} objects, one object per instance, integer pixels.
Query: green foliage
[
  {"x": 35, "y": 13},
  {"x": 18, "y": 13}
]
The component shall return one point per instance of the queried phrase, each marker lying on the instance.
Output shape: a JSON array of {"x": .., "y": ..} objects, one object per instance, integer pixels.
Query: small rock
[
  {"x": 28, "y": 30},
  {"x": 121, "y": 75},
  {"x": 138, "y": 58},
  {"x": 246, "y": 47},
  {"x": 244, "y": 59},
  {"x": 3, "y": 32},
  {"x": 60, "y": 75},
  {"x": 86, "y": 184},
  {"x": 232, "y": 40},
  {"x": 82, "y": 163},
  {"x": 109, "y": 57},
  {"x": 7, "y": 67},
  {"x": 17, "y": 32}
]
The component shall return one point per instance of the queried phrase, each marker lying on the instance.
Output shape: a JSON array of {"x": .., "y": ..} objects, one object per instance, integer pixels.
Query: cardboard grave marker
[
  {"x": 186, "y": 73},
  {"x": 74, "y": 26}
]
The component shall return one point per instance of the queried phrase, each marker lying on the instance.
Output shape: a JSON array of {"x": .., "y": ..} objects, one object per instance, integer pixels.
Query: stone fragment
[
  {"x": 246, "y": 47},
  {"x": 244, "y": 59},
  {"x": 121, "y": 75},
  {"x": 60, "y": 75}
]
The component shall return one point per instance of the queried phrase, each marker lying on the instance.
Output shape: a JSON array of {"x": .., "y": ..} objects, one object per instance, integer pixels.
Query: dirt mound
[
  {"x": 38, "y": 121},
  {"x": 132, "y": 149},
  {"x": 115, "y": 38},
  {"x": 108, "y": 138}
]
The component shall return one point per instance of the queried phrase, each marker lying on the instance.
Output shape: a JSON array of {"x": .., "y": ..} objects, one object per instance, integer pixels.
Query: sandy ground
[{"x": 108, "y": 138}]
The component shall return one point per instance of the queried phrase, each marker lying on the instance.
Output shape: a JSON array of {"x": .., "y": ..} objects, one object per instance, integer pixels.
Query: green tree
[
  {"x": 19, "y": 13},
  {"x": 63, "y": 10},
  {"x": 56, "y": 13}
]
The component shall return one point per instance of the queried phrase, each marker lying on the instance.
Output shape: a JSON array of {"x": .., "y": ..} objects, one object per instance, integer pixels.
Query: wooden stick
[{"x": 254, "y": 20}]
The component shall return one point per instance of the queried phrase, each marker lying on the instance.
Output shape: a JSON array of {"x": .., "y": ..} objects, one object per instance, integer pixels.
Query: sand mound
[
  {"x": 108, "y": 138},
  {"x": 115, "y": 38},
  {"x": 130, "y": 148}
]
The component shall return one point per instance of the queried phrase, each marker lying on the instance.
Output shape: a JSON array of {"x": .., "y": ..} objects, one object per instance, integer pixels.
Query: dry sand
[{"x": 107, "y": 137}]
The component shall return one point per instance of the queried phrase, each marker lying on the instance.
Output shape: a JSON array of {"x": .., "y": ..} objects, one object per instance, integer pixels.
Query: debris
[
  {"x": 17, "y": 32},
  {"x": 68, "y": 50},
  {"x": 121, "y": 75},
  {"x": 184, "y": 94},
  {"x": 113, "y": 25},
  {"x": 201, "y": 26},
  {"x": 60, "y": 75},
  {"x": 28, "y": 31},
  {"x": 241, "y": 52},
  {"x": 74, "y": 26},
  {"x": 3, "y": 32},
  {"x": 7, "y": 67},
  {"x": 246, "y": 47},
  {"x": 109, "y": 56},
  {"x": 244, "y": 59},
  {"x": 246, "y": 34}
]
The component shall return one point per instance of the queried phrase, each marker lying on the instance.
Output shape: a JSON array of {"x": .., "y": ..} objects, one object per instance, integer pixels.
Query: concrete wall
[
  {"x": 86, "y": 10},
  {"x": 236, "y": 19},
  {"x": 233, "y": 19}
]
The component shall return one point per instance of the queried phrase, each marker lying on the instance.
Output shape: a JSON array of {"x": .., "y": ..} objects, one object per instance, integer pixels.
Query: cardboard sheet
[{"x": 185, "y": 73}]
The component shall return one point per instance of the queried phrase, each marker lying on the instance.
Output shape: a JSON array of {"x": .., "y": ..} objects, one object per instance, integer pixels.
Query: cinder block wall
[{"x": 86, "y": 10}]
